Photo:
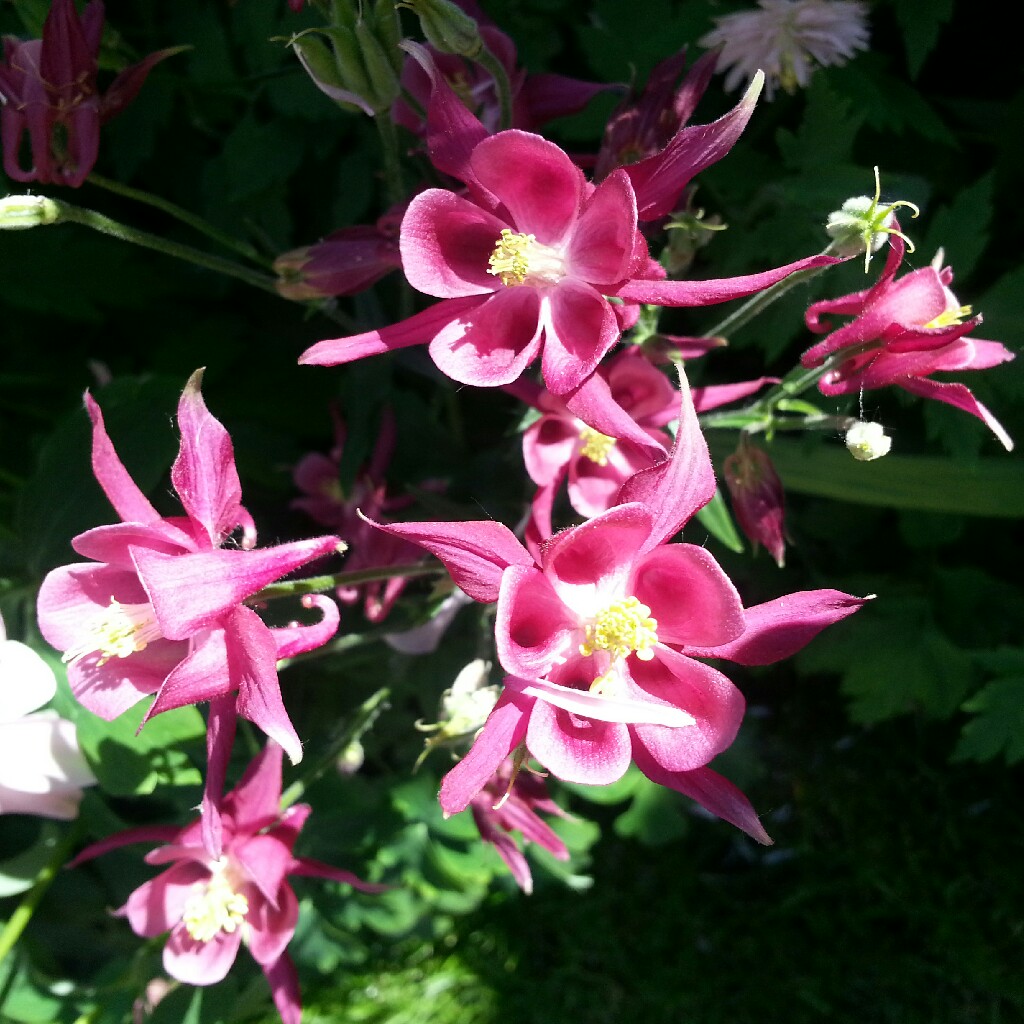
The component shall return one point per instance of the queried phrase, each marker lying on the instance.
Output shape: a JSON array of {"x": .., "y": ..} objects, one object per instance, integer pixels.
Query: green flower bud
[
  {"x": 447, "y": 27},
  {"x": 20, "y": 212}
]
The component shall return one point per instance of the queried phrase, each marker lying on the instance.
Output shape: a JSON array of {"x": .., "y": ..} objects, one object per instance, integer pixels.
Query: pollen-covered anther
[
  {"x": 117, "y": 632},
  {"x": 215, "y": 908},
  {"x": 950, "y": 317},
  {"x": 510, "y": 259},
  {"x": 625, "y": 627},
  {"x": 596, "y": 445}
]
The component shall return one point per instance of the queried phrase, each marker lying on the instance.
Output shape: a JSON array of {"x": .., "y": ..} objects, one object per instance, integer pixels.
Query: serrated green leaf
[
  {"x": 998, "y": 723},
  {"x": 961, "y": 229},
  {"x": 920, "y": 25}
]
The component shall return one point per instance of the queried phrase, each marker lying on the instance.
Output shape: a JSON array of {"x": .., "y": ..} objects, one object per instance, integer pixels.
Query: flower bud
[
  {"x": 861, "y": 225},
  {"x": 20, "y": 212},
  {"x": 757, "y": 498},
  {"x": 464, "y": 707},
  {"x": 447, "y": 27},
  {"x": 867, "y": 441}
]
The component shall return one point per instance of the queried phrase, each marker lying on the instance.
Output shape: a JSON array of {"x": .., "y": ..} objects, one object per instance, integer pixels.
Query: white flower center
[
  {"x": 215, "y": 906},
  {"x": 519, "y": 258},
  {"x": 116, "y": 632}
]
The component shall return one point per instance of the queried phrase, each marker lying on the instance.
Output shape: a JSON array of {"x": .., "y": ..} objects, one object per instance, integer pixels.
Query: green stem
[
  {"x": 393, "y": 184},
  {"x": 192, "y": 220},
  {"x": 24, "y": 911},
  {"x": 489, "y": 62},
  {"x": 366, "y": 714},
  {"x": 762, "y": 300},
  {"x": 107, "y": 226},
  {"x": 318, "y": 584}
]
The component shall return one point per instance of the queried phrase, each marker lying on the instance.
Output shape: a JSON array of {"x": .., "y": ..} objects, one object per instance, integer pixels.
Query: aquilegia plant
[{"x": 490, "y": 456}]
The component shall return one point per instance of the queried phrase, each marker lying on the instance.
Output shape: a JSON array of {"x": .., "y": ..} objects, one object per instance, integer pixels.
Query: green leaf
[
  {"x": 18, "y": 873},
  {"x": 715, "y": 518},
  {"x": 962, "y": 228},
  {"x": 655, "y": 816},
  {"x": 998, "y": 723},
  {"x": 920, "y": 25},
  {"x": 826, "y": 134},
  {"x": 983, "y": 487}
]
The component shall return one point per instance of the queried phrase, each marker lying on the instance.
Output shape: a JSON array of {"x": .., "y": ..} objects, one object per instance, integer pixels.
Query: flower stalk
[{"x": 321, "y": 584}]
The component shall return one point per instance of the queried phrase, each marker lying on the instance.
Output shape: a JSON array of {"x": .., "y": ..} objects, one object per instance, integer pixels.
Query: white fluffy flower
[
  {"x": 42, "y": 771},
  {"x": 787, "y": 39},
  {"x": 867, "y": 441}
]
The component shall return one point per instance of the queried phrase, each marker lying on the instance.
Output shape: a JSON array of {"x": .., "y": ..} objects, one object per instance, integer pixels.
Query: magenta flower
[
  {"x": 160, "y": 608},
  {"x": 211, "y": 906},
  {"x": 902, "y": 332},
  {"x": 512, "y": 802},
  {"x": 49, "y": 84},
  {"x": 601, "y": 632},
  {"x": 525, "y": 263}
]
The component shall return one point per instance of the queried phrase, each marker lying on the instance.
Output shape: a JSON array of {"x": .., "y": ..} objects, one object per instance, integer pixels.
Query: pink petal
[
  {"x": 959, "y": 396},
  {"x": 297, "y": 639},
  {"x": 204, "y": 473},
  {"x": 310, "y": 868},
  {"x": 578, "y": 749},
  {"x": 675, "y": 489},
  {"x": 714, "y": 702},
  {"x": 475, "y": 554},
  {"x": 707, "y": 293},
  {"x": 713, "y": 792},
  {"x": 579, "y": 329},
  {"x": 414, "y": 330},
  {"x": 272, "y": 927},
  {"x": 157, "y": 906},
  {"x": 142, "y": 834},
  {"x": 503, "y": 731},
  {"x": 122, "y": 492},
  {"x": 266, "y": 860},
  {"x": 539, "y": 186},
  {"x": 191, "y": 592},
  {"x": 777, "y": 629},
  {"x": 547, "y": 96},
  {"x": 493, "y": 343},
  {"x": 591, "y": 563},
  {"x": 533, "y": 628},
  {"x": 110, "y": 543},
  {"x": 507, "y": 849},
  {"x": 221, "y": 726},
  {"x": 283, "y": 979},
  {"x": 603, "y": 240},
  {"x": 447, "y": 242},
  {"x": 595, "y": 403},
  {"x": 200, "y": 963},
  {"x": 660, "y": 179},
  {"x": 689, "y": 595},
  {"x": 204, "y": 674},
  {"x": 255, "y": 802}
]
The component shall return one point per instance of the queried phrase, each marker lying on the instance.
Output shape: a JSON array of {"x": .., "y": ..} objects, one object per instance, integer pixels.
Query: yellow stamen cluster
[
  {"x": 215, "y": 908},
  {"x": 950, "y": 317},
  {"x": 625, "y": 627},
  {"x": 509, "y": 261},
  {"x": 117, "y": 632},
  {"x": 596, "y": 445}
]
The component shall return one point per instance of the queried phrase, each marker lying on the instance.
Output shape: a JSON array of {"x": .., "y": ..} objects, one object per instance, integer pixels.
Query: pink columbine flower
[
  {"x": 160, "y": 608},
  {"x": 42, "y": 770},
  {"x": 902, "y": 332},
  {"x": 525, "y": 262},
  {"x": 211, "y": 906},
  {"x": 512, "y": 801},
  {"x": 601, "y": 633},
  {"x": 49, "y": 84}
]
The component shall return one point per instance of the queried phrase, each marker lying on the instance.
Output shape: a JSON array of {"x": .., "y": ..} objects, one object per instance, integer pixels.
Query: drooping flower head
[
  {"x": 48, "y": 91},
  {"x": 160, "y": 607},
  {"x": 211, "y": 906},
  {"x": 757, "y": 498},
  {"x": 787, "y": 40},
  {"x": 902, "y": 332},
  {"x": 526, "y": 261},
  {"x": 42, "y": 770}
]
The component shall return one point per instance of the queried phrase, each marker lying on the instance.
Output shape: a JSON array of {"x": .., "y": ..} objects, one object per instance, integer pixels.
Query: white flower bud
[
  {"x": 20, "y": 212},
  {"x": 867, "y": 441}
]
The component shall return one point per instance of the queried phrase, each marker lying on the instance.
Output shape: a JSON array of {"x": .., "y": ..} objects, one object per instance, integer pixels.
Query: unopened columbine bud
[
  {"x": 20, "y": 212},
  {"x": 464, "y": 707},
  {"x": 447, "y": 27},
  {"x": 757, "y": 498},
  {"x": 867, "y": 441},
  {"x": 862, "y": 225}
]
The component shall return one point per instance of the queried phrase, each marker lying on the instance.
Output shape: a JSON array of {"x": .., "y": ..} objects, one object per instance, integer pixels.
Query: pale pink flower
[
  {"x": 903, "y": 331},
  {"x": 42, "y": 770},
  {"x": 788, "y": 40},
  {"x": 211, "y": 906}
]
